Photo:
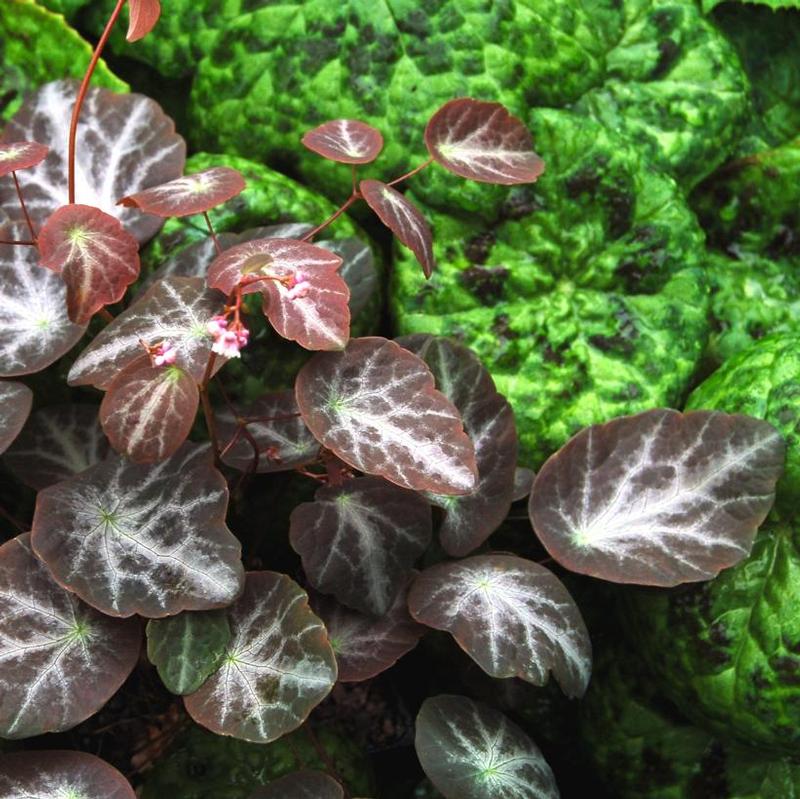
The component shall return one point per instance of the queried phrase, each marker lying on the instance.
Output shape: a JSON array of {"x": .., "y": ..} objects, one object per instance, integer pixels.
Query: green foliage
[{"x": 709, "y": 5}]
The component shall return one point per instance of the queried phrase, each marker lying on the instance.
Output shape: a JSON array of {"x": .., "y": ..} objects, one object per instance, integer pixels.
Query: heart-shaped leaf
[
  {"x": 470, "y": 751},
  {"x": 97, "y": 258},
  {"x": 301, "y": 785},
  {"x": 278, "y": 667},
  {"x": 659, "y": 498},
  {"x": 150, "y": 540},
  {"x": 359, "y": 540},
  {"x": 60, "y": 775},
  {"x": 129, "y": 144},
  {"x": 61, "y": 660},
  {"x": 482, "y": 141},
  {"x": 175, "y": 310},
  {"x": 143, "y": 17},
  {"x": 489, "y": 422},
  {"x": 190, "y": 194},
  {"x": 188, "y": 648},
  {"x": 149, "y": 410},
  {"x": 375, "y": 405},
  {"x": 15, "y": 405},
  {"x": 512, "y": 616},
  {"x": 56, "y": 443},
  {"x": 347, "y": 141},
  {"x": 403, "y": 218},
  {"x": 18, "y": 155}
]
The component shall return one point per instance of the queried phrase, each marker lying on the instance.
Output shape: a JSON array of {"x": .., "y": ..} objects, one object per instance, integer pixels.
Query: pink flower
[
  {"x": 217, "y": 326},
  {"x": 228, "y": 342},
  {"x": 165, "y": 354},
  {"x": 298, "y": 286}
]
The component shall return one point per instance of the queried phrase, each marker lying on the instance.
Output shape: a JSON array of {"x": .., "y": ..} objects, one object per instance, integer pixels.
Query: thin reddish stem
[
  {"x": 104, "y": 313},
  {"x": 208, "y": 413},
  {"x": 24, "y": 208},
  {"x": 214, "y": 238},
  {"x": 411, "y": 173},
  {"x": 333, "y": 217},
  {"x": 18, "y": 243}
]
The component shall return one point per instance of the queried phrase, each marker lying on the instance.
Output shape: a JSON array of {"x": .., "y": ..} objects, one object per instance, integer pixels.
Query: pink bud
[{"x": 166, "y": 354}]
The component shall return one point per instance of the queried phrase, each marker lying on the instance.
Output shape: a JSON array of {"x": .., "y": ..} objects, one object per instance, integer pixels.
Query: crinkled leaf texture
[
  {"x": 18, "y": 155},
  {"x": 659, "y": 498},
  {"x": 61, "y": 660},
  {"x": 15, "y": 405},
  {"x": 60, "y": 775},
  {"x": 143, "y": 539},
  {"x": 513, "y": 617},
  {"x": 175, "y": 310},
  {"x": 125, "y": 143},
  {"x": 144, "y": 15},
  {"x": 359, "y": 540},
  {"x": 96, "y": 257},
  {"x": 278, "y": 667},
  {"x": 489, "y": 422},
  {"x": 301, "y": 785},
  {"x": 375, "y": 405},
  {"x": 471, "y": 751},
  {"x": 347, "y": 141}
]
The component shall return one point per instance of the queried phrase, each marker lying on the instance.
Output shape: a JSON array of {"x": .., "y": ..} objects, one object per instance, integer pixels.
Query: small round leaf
[
  {"x": 347, "y": 141},
  {"x": 18, "y": 155},
  {"x": 143, "y": 17}
]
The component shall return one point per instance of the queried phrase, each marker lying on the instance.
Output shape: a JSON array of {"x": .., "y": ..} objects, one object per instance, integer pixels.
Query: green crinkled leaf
[
  {"x": 710, "y": 5},
  {"x": 69, "y": 8}
]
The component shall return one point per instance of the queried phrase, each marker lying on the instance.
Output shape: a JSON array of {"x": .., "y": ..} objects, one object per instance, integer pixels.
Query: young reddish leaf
[
  {"x": 376, "y": 407},
  {"x": 190, "y": 194},
  {"x": 659, "y": 498},
  {"x": 56, "y": 443},
  {"x": 482, "y": 141},
  {"x": 150, "y": 540},
  {"x": 489, "y": 421},
  {"x": 149, "y": 411},
  {"x": 18, "y": 155},
  {"x": 97, "y": 258},
  {"x": 403, "y": 218},
  {"x": 512, "y": 616},
  {"x": 359, "y": 540},
  {"x": 62, "y": 660},
  {"x": 143, "y": 17},
  {"x": 279, "y": 665},
  {"x": 347, "y": 141},
  {"x": 523, "y": 483},
  {"x": 301, "y": 785},
  {"x": 15, "y": 405},
  {"x": 177, "y": 310},
  {"x": 60, "y": 775},
  {"x": 471, "y": 751},
  {"x": 129, "y": 143},
  {"x": 366, "y": 646}
]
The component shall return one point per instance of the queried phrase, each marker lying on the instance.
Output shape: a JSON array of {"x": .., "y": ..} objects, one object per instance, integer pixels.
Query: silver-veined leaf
[
  {"x": 15, "y": 405},
  {"x": 301, "y": 785},
  {"x": 18, "y": 155},
  {"x": 347, "y": 141},
  {"x": 144, "y": 15}
]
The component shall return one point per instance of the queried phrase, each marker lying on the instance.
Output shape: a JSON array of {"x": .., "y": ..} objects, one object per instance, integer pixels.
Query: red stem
[
  {"x": 104, "y": 313},
  {"x": 411, "y": 173},
  {"x": 22, "y": 205},
  {"x": 333, "y": 217},
  {"x": 213, "y": 234},
  {"x": 206, "y": 403},
  {"x": 18, "y": 243}
]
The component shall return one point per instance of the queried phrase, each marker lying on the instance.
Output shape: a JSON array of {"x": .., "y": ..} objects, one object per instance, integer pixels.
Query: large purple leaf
[
  {"x": 140, "y": 539},
  {"x": 278, "y": 667},
  {"x": 60, "y": 660},
  {"x": 125, "y": 143},
  {"x": 347, "y": 141},
  {"x": 15, "y": 405},
  {"x": 20, "y": 155},
  {"x": 176, "y": 310},
  {"x": 144, "y": 15},
  {"x": 512, "y": 616},
  {"x": 489, "y": 421},
  {"x": 301, "y": 785},
  {"x": 471, "y": 751},
  {"x": 359, "y": 540},
  {"x": 659, "y": 498},
  {"x": 375, "y": 405}
]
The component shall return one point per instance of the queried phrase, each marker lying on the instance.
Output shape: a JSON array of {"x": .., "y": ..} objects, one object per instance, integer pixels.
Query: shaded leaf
[
  {"x": 376, "y": 407},
  {"x": 97, "y": 258},
  {"x": 144, "y": 15},
  {"x": 18, "y": 155},
  {"x": 359, "y": 540},
  {"x": 470, "y": 751},
  {"x": 357, "y": 269},
  {"x": 278, "y": 667},
  {"x": 482, "y": 141},
  {"x": 659, "y": 498},
  {"x": 15, "y": 405},
  {"x": 301, "y": 785},
  {"x": 61, "y": 660},
  {"x": 347, "y": 141},
  {"x": 150, "y": 540},
  {"x": 512, "y": 616},
  {"x": 523, "y": 483}
]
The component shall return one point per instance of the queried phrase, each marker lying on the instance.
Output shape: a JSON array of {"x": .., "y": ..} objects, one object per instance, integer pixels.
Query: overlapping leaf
[
  {"x": 130, "y": 144},
  {"x": 301, "y": 785},
  {"x": 150, "y": 540},
  {"x": 347, "y": 141},
  {"x": 512, "y": 616},
  {"x": 60, "y": 775},
  {"x": 20, "y": 155},
  {"x": 96, "y": 257},
  {"x": 489, "y": 422},
  {"x": 60, "y": 660},
  {"x": 523, "y": 483},
  {"x": 359, "y": 540},
  {"x": 15, "y": 405},
  {"x": 357, "y": 269},
  {"x": 482, "y": 141},
  {"x": 470, "y": 751},
  {"x": 144, "y": 15},
  {"x": 376, "y": 407},
  {"x": 177, "y": 310},
  {"x": 278, "y": 667},
  {"x": 659, "y": 498}
]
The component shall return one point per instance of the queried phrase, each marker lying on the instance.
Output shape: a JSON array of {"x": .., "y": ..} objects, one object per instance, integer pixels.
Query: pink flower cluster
[
  {"x": 227, "y": 341},
  {"x": 298, "y": 286},
  {"x": 165, "y": 354}
]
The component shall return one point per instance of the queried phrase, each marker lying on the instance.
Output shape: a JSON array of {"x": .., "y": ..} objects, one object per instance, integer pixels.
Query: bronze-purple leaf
[
  {"x": 403, "y": 218},
  {"x": 482, "y": 141},
  {"x": 143, "y": 17},
  {"x": 347, "y": 141},
  {"x": 523, "y": 483},
  {"x": 61, "y": 659},
  {"x": 18, "y": 155},
  {"x": 659, "y": 498},
  {"x": 513, "y": 617},
  {"x": 301, "y": 785},
  {"x": 15, "y": 405},
  {"x": 375, "y": 405},
  {"x": 146, "y": 539},
  {"x": 359, "y": 540},
  {"x": 278, "y": 666}
]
